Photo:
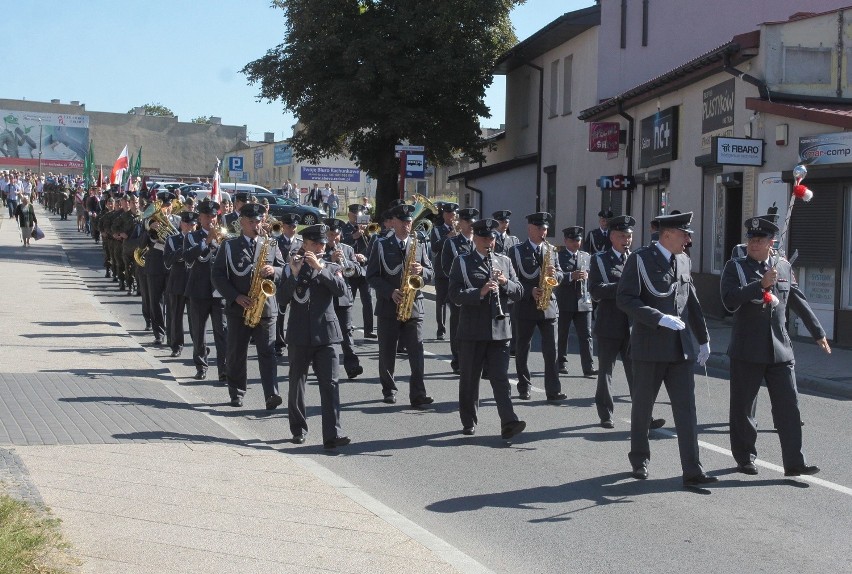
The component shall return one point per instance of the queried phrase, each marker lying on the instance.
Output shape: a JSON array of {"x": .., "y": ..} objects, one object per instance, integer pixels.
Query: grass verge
[{"x": 30, "y": 542}]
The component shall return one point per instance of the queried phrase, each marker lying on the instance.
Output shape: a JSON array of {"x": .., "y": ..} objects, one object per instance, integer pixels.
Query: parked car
[
  {"x": 278, "y": 206},
  {"x": 202, "y": 194},
  {"x": 159, "y": 186}
]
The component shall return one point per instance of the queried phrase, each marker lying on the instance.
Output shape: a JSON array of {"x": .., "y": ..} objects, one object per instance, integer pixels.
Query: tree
[
  {"x": 201, "y": 120},
  {"x": 365, "y": 76},
  {"x": 156, "y": 109}
]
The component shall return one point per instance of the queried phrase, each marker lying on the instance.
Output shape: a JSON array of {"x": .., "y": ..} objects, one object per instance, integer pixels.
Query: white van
[{"x": 233, "y": 188}]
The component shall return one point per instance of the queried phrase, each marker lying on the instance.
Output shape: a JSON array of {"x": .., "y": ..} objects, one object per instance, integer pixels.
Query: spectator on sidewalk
[
  {"x": 25, "y": 214},
  {"x": 332, "y": 204},
  {"x": 12, "y": 191}
]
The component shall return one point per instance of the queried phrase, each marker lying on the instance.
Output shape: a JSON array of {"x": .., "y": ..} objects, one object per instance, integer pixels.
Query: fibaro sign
[
  {"x": 737, "y": 151},
  {"x": 616, "y": 182}
]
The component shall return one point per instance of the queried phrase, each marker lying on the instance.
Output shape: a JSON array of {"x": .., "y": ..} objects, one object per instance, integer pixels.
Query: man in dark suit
[
  {"x": 612, "y": 326},
  {"x": 453, "y": 247},
  {"x": 656, "y": 292},
  {"x": 528, "y": 259},
  {"x": 173, "y": 257},
  {"x": 288, "y": 243},
  {"x": 233, "y": 270},
  {"x": 384, "y": 273},
  {"x": 757, "y": 289},
  {"x": 437, "y": 237},
  {"x": 574, "y": 301},
  {"x": 200, "y": 247},
  {"x": 598, "y": 239},
  {"x": 310, "y": 287},
  {"x": 355, "y": 236},
  {"x": 344, "y": 256},
  {"x": 481, "y": 283}
]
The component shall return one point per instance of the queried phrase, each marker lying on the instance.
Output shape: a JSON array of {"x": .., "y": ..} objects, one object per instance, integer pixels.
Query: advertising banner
[
  {"x": 282, "y": 154},
  {"x": 717, "y": 118},
  {"x": 64, "y": 139},
  {"x": 824, "y": 149},
  {"x": 738, "y": 151},
  {"x": 603, "y": 136},
  {"x": 320, "y": 173},
  {"x": 658, "y": 138},
  {"x": 258, "y": 158}
]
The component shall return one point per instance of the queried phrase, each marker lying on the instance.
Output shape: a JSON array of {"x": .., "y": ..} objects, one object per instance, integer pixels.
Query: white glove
[
  {"x": 671, "y": 322},
  {"x": 703, "y": 353}
]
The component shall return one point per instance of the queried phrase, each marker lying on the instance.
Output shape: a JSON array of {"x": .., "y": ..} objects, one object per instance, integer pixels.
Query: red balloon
[
  {"x": 799, "y": 191},
  {"x": 767, "y": 297}
]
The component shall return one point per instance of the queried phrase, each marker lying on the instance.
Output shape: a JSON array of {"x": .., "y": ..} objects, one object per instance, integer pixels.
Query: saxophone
[
  {"x": 260, "y": 288},
  {"x": 545, "y": 283},
  {"x": 410, "y": 284}
]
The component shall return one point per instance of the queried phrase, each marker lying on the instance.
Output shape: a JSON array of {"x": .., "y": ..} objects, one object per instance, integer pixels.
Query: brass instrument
[
  {"x": 545, "y": 283},
  {"x": 177, "y": 205},
  {"x": 220, "y": 234},
  {"x": 373, "y": 228},
  {"x": 424, "y": 211},
  {"x": 153, "y": 213},
  {"x": 496, "y": 306},
  {"x": 276, "y": 228},
  {"x": 139, "y": 256},
  {"x": 260, "y": 288},
  {"x": 410, "y": 284},
  {"x": 348, "y": 269}
]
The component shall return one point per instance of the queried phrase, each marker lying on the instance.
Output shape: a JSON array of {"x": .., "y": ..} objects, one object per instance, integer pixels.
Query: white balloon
[{"x": 800, "y": 172}]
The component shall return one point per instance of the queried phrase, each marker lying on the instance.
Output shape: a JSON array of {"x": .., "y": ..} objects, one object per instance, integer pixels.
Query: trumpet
[
  {"x": 348, "y": 269},
  {"x": 373, "y": 228},
  {"x": 220, "y": 233}
]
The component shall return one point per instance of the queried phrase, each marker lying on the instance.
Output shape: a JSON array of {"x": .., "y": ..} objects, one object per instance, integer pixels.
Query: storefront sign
[
  {"x": 616, "y": 182},
  {"x": 717, "y": 118},
  {"x": 320, "y": 173},
  {"x": 282, "y": 154},
  {"x": 737, "y": 151},
  {"x": 658, "y": 138},
  {"x": 603, "y": 136},
  {"x": 826, "y": 149}
]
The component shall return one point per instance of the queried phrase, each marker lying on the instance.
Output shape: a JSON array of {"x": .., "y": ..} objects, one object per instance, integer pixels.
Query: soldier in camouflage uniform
[
  {"x": 117, "y": 243},
  {"x": 125, "y": 226}
]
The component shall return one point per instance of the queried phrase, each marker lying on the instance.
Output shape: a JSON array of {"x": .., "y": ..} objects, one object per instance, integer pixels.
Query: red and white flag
[
  {"x": 214, "y": 192},
  {"x": 121, "y": 164}
]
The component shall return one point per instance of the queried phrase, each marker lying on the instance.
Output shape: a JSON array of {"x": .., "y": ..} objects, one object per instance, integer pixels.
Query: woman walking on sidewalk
[{"x": 25, "y": 214}]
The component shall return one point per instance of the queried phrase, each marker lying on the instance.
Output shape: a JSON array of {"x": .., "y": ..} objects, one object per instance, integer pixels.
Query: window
[
  {"x": 554, "y": 88},
  {"x": 567, "y": 72},
  {"x": 807, "y": 65}
]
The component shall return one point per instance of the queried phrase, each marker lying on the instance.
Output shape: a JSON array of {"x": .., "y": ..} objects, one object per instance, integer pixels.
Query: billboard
[
  {"x": 603, "y": 136},
  {"x": 320, "y": 173},
  {"x": 282, "y": 154},
  {"x": 658, "y": 138},
  {"x": 64, "y": 139},
  {"x": 825, "y": 149}
]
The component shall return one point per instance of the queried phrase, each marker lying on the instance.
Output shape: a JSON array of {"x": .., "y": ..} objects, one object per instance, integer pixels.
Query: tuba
[
  {"x": 424, "y": 211},
  {"x": 260, "y": 288},
  {"x": 139, "y": 256},
  {"x": 410, "y": 284},
  {"x": 545, "y": 283}
]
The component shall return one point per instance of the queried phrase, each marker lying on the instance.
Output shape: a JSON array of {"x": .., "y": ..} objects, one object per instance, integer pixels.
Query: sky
[{"x": 185, "y": 55}]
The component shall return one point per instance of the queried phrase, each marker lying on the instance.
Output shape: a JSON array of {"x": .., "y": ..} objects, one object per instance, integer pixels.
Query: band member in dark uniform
[
  {"x": 530, "y": 260},
  {"x": 288, "y": 243},
  {"x": 437, "y": 238},
  {"x": 575, "y": 301},
  {"x": 178, "y": 276},
  {"x": 355, "y": 235},
  {"x": 598, "y": 239},
  {"x": 757, "y": 289},
  {"x": 384, "y": 273},
  {"x": 232, "y": 274},
  {"x": 310, "y": 287},
  {"x": 481, "y": 283},
  {"x": 200, "y": 247},
  {"x": 656, "y": 292},
  {"x": 344, "y": 256},
  {"x": 156, "y": 272},
  {"x": 230, "y": 220},
  {"x": 502, "y": 245},
  {"x": 453, "y": 247}
]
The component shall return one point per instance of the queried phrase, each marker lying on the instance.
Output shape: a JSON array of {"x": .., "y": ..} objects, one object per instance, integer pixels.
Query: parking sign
[{"x": 235, "y": 163}]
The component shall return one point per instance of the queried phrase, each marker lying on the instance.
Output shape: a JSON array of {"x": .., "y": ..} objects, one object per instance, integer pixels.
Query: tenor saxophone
[
  {"x": 260, "y": 288},
  {"x": 545, "y": 283},
  {"x": 410, "y": 284}
]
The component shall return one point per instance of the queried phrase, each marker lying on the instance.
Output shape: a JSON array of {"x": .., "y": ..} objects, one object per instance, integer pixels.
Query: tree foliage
[
  {"x": 201, "y": 120},
  {"x": 365, "y": 76},
  {"x": 156, "y": 109}
]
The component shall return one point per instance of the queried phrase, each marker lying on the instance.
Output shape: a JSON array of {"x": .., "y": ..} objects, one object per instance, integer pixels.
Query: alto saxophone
[
  {"x": 260, "y": 288},
  {"x": 410, "y": 284},
  {"x": 545, "y": 283}
]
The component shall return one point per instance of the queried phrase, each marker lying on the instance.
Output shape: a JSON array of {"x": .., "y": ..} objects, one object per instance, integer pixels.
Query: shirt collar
[{"x": 666, "y": 253}]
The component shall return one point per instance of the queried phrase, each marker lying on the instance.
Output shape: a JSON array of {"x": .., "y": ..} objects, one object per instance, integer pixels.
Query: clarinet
[
  {"x": 496, "y": 306},
  {"x": 303, "y": 279}
]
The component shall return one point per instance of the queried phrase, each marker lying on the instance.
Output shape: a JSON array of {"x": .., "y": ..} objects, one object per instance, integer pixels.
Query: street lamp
[{"x": 31, "y": 118}]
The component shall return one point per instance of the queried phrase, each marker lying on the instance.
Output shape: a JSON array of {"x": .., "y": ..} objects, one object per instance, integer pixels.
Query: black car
[{"x": 278, "y": 206}]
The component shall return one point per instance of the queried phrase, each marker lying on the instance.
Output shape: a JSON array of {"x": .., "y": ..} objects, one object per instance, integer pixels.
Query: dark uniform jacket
[
  {"x": 173, "y": 257},
  {"x": 476, "y": 319},
  {"x": 312, "y": 320},
  {"x": 453, "y": 247},
  {"x": 199, "y": 261},
  {"x": 597, "y": 240},
  {"x": 759, "y": 334},
  {"x": 573, "y": 295},
  {"x": 360, "y": 245},
  {"x": 233, "y": 269},
  {"x": 437, "y": 239},
  {"x": 228, "y": 220},
  {"x": 345, "y": 300},
  {"x": 649, "y": 289},
  {"x": 604, "y": 272},
  {"x": 288, "y": 246},
  {"x": 384, "y": 274},
  {"x": 528, "y": 268},
  {"x": 503, "y": 244}
]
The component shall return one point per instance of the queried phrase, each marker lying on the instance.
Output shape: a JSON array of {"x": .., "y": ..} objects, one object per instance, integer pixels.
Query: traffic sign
[
  {"x": 410, "y": 148},
  {"x": 235, "y": 163}
]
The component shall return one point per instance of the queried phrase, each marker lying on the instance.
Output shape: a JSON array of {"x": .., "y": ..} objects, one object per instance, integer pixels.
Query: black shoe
[
  {"x": 422, "y": 401},
  {"x": 608, "y": 424},
  {"x": 273, "y": 402},
  {"x": 370, "y": 336},
  {"x": 747, "y": 468},
  {"x": 511, "y": 353},
  {"x": 511, "y": 429},
  {"x": 158, "y": 341},
  {"x": 223, "y": 377},
  {"x": 390, "y": 399},
  {"x": 469, "y": 431},
  {"x": 699, "y": 479},
  {"x": 800, "y": 470},
  {"x": 401, "y": 352},
  {"x": 657, "y": 423},
  {"x": 299, "y": 439},
  {"x": 557, "y": 398},
  {"x": 354, "y": 372},
  {"x": 122, "y": 286},
  {"x": 177, "y": 351},
  {"x": 115, "y": 278},
  {"x": 201, "y": 375},
  {"x": 147, "y": 325},
  {"x": 455, "y": 368},
  {"x": 590, "y": 374},
  {"x": 640, "y": 472},
  {"x": 334, "y": 443},
  {"x": 279, "y": 352},
  {"x": 563, "y": 369},
  {"x": 524, "y": 395},
  {"x": 236, "y": 402},
  {"x": 107, "y": 276}
]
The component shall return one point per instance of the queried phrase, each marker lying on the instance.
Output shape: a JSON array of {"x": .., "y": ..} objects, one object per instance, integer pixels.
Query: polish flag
[
  {"x": 121, "y": 164},
  {"x": 214, "y": 192}
]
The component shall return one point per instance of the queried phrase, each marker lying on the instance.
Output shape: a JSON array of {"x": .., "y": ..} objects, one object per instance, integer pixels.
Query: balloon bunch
[
  {"x": 769, "y": 298},
  {"x": 801, "y": 191}
]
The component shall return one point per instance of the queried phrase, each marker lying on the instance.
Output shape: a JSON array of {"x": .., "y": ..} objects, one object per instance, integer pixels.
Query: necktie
[
  {"x": 673, "y": 262},
  {"x": 623, "y": 258},
  {"x": 763, "y": 267},
  {"x": 402, "y": 246},
  {"x": 251, "y": 244}
]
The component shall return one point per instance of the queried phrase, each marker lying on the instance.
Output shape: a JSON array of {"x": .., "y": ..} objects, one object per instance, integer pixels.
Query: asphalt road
[{"x": 559, "y": 498}]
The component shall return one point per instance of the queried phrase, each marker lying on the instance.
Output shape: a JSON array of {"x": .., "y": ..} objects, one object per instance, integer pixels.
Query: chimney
[
  {"x": 268, "y": 137},
  {"x": 75, "y": 102},
  {"x": 216, "y": 121},
  {"x": 54, "y": 101}
]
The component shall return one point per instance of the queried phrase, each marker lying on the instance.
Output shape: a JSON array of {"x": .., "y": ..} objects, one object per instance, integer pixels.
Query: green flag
[{"x": 137, "y": 167}]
